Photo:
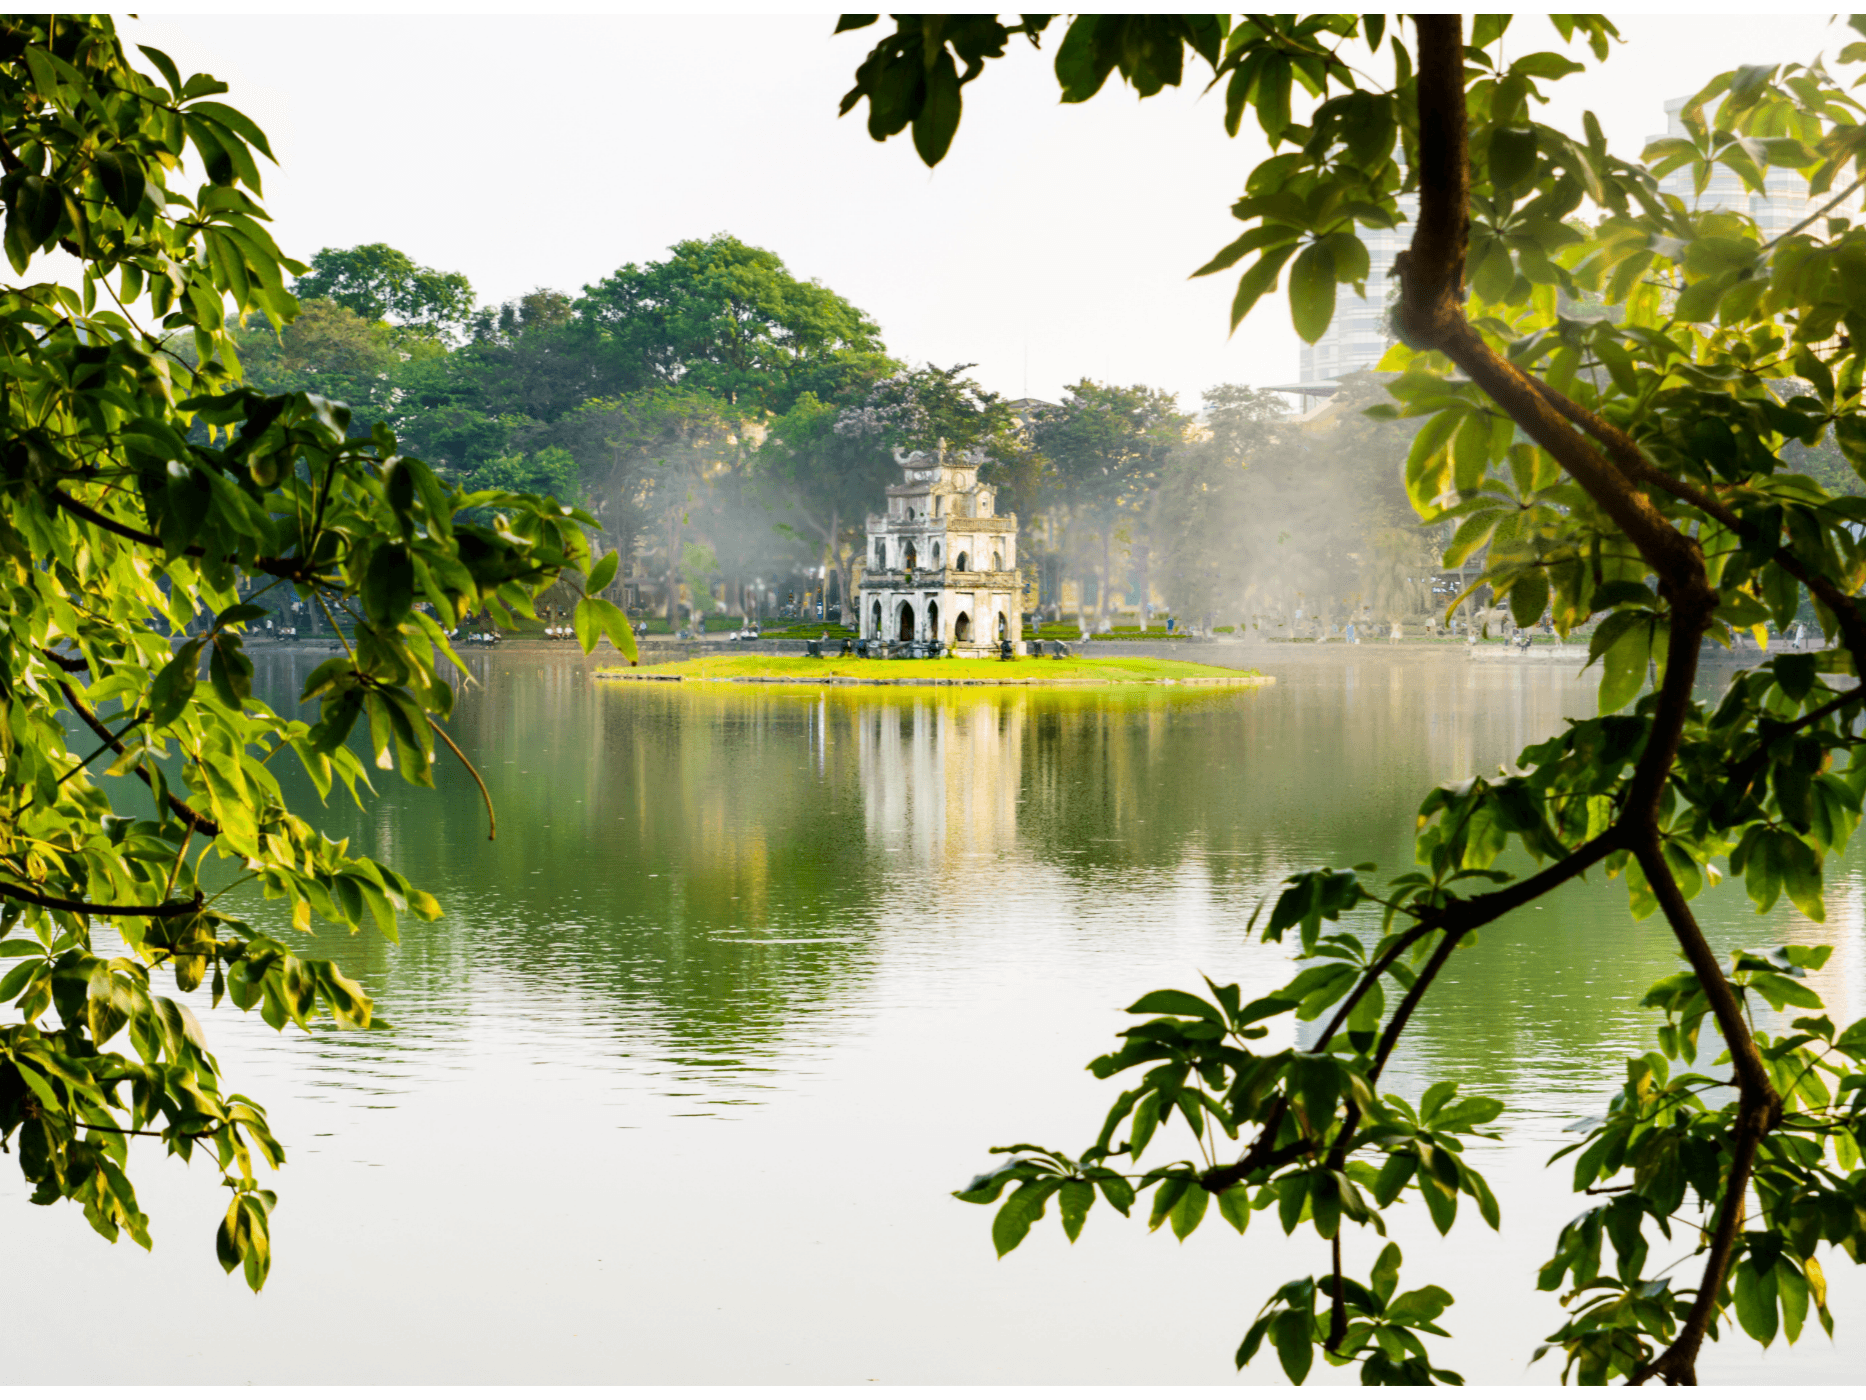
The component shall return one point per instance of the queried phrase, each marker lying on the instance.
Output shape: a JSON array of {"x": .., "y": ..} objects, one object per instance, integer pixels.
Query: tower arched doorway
[
  {"x": 933, "y": 622},
  {"x": 911, "y": 558},
  {"x": 906, "y": 620},
  {"x": 874, "y": 624},
  {"x": 1003, "y": 630},
  {"x": 962, "y": 628}
]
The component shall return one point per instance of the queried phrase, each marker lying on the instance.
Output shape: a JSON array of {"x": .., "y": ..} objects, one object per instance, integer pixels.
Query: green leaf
[
  {"x": 1021, "y": 1209},
  {"x": 1850, "y": 434},
  {"x": 388, "y": 585},
  {"x": 1325, "y": 1203},
  {"x": 1312, "y": 291},
  {"x": 598, "y": 615},
  {"x": 1258, "y": 279},
  {"x": 1418, "y": 1305},
  {"x": 1175, "y": 1003},
  {"x": 1385, "y": 1276},
  {"x": 1074, "y": 1198},
  {"x": 1623, "y": 670},
  {"x": 231, "y": 671},
  {"x": 1273, "y": 80},
  {"x": 1440, "y": 1201},
  {"x": 938, "y": 119},
  {"x": 238, "y": 613},
  {"x": 1791, "y": 1290},
  {"x": 1546, "y": 65},
  {"x": 1755, "y": 1300},
  {"x": 1395, "y": 1172},
  {"x": 1512, "y": 157},
  {"x": 1189, "y": 1209},
  {"x": 1292, "y": 1193},
  {"x": 1295, "y": 1347},
  {"x": 603, "y": 574},
  {"x": 121, "y": 174},
  {"x": 174, "y": 684},
  {"x": 1234, "y": 1206},
  {"x": 17, "y": 977},
  {"x": 1529, "y": 597}
]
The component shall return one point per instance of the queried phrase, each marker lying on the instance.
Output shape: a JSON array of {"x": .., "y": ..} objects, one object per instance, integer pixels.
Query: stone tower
[{"x": 940, "y": 565}]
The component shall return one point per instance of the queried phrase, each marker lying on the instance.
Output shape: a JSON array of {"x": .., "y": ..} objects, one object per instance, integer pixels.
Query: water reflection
[{"x": 772, "y": 966}]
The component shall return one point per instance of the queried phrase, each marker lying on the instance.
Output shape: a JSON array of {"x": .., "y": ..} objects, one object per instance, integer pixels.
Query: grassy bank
[{"x": 1124, "y": 670}]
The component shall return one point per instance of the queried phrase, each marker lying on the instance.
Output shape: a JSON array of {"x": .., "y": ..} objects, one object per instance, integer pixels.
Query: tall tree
[
  {"x": 1296, "y": 519},
  {"x": 925, "y": 409},
  {"x": 822, "y": 482},
  {"x": 380, "y": 283},
  {"x": 1208, "y": 520},
  {"x": 327, "y": 350},
  {"x": 1629, "y": 472},
  {"x": 116, "y": 531},
  {"x": 1107, "y": 444},
  {"x": 724, "y": 317},
  {"x": 648, "y": 461}
]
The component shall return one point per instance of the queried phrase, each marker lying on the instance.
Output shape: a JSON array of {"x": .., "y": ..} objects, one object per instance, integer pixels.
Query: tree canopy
[
  {"x": 149, "y": 499},
  {"x": 381, "y": 283},
  {"x": 1636, "y": 471},
  {"x": 730, "y": 319}
]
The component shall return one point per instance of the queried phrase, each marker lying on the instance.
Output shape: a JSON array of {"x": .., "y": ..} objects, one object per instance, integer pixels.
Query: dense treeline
[{"x": 732, "y": 425}]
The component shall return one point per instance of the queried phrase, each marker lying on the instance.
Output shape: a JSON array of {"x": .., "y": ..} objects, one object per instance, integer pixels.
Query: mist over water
[{"x": 755, "y": 976}]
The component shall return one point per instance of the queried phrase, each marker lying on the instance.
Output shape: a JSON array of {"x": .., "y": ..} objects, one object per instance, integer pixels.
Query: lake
[{"x": 753, "y": 977}]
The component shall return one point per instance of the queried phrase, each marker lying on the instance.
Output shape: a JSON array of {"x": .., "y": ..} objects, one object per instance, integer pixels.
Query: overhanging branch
[{"x": 83, "y": 906}]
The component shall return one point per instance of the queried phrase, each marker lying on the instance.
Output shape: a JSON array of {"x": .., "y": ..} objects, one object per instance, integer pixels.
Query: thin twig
[{"x": 492, "y": 819}]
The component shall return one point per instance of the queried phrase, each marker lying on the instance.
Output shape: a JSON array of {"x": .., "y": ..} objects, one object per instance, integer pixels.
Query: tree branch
[
  {"x": 1632, "y": 460},
  {"x": 205, "y": 825},
  {"x": 1759, "y": 1109},
  {"x": 81, "y": 906},
  {"x": 1431, "y": 315},
  {"x": 298, "y": 570}
]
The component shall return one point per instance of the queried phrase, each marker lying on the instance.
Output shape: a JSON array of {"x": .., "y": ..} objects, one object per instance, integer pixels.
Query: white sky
[{"x": 1054, "y": 242}]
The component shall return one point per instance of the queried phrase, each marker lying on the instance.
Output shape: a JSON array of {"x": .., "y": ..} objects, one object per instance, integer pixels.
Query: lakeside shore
[{"x": 769, "y": 668}]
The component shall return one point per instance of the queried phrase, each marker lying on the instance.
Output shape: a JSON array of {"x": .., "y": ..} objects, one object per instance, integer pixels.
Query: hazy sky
[{"x": 1054, "y": 242}]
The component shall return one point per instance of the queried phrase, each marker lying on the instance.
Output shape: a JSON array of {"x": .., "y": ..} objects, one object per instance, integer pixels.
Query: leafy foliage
[
  {"x": 378, "y": 282},
  {"x": 1641, "y": 470},
  {"x": 149, "y": 498}
]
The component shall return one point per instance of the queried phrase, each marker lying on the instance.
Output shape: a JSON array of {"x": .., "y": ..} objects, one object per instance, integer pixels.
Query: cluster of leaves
[
  {"x": 1634, "y": 471},
  {"x": 146, "y": 501},
  {"x": 1329, "y": 1151},
  {"x": 1670, "y": 1133}
]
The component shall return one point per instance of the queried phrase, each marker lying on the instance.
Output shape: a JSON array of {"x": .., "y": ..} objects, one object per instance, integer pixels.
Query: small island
[{"x": 852, "y": 670}]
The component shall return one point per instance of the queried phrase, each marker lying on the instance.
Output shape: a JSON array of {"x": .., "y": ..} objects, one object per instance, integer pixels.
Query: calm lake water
[{"x": 754, "y": 976}]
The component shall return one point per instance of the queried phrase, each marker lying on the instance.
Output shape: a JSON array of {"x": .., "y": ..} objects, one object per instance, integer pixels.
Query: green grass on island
[{"x": 846, "y": 669}]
